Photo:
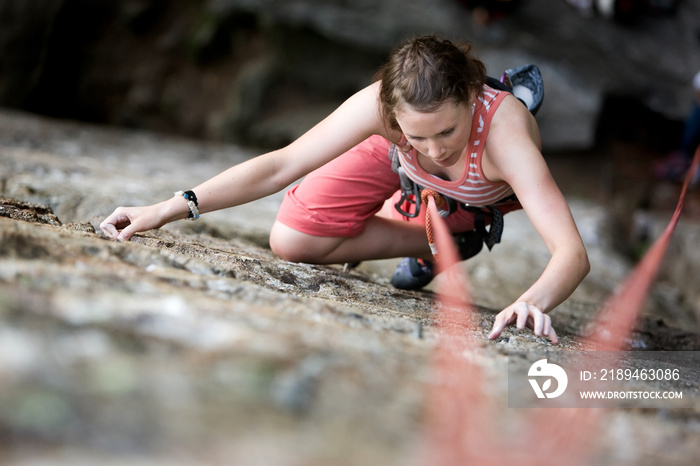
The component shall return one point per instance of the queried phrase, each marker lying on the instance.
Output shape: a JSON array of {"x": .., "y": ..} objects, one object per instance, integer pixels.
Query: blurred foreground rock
[{"x": 195, "y": 345}]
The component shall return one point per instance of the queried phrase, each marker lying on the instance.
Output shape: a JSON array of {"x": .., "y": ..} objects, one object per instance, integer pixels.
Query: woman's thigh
[{"x": 337, "y": 199}]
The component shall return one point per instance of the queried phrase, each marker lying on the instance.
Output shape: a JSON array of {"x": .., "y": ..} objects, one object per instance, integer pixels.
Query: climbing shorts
[{"x": 337, "y": 199}]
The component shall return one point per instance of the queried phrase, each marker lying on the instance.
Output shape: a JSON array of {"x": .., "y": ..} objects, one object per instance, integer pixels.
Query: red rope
[
  {"x": 434, "y": 201},
  {"x": 460, "y": 427},
  {"x": 616, "y": 320}
]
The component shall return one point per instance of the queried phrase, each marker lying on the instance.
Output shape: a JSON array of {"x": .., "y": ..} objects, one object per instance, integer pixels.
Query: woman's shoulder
[
  {"x": 513, "y": 135},
  {"x": 360, "y": 112},
  {"x": 369, "y": 100},
  {"x": 512, "y": 115}
]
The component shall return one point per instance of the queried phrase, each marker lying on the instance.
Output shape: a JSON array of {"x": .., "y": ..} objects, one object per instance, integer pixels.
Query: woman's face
[{"x": 441, "y": 135}]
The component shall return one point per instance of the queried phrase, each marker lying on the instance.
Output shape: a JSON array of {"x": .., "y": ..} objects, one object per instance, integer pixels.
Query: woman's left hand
[{"x": 524, "y": 315}]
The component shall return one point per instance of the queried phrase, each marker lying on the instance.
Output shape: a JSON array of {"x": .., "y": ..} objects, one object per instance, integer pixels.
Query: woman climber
[{"x": 430, "y": 118}]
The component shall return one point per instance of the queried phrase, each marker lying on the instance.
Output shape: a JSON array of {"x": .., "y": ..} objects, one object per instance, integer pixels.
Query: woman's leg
[
  {"x": 382, "y": 238},
  {"x": 330, "y": 217}
]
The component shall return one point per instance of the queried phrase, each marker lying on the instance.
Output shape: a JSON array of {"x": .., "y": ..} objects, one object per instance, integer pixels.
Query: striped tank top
[{"x": 472, "y": 187}]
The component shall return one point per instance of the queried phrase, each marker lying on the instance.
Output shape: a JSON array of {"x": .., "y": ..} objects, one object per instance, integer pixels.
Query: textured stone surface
[{"x": 195, "y": 345}]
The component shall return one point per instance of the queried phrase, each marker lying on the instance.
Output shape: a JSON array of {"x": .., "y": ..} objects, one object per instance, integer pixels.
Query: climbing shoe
[
  {"x": 412, "y": 274},
  {"x": 527, "y": 85}
]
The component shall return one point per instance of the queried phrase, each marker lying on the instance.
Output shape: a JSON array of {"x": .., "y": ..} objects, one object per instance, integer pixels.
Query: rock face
[
  {"x": 194, "y": 344},
  {"x": 264, "y": 71}
]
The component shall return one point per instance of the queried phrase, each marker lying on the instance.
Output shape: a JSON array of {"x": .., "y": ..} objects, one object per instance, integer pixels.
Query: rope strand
[{"x": 434, "y": 201}]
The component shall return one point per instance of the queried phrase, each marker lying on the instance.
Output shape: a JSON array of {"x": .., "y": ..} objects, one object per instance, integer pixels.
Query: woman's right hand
[{"x": 125, "y": 221}]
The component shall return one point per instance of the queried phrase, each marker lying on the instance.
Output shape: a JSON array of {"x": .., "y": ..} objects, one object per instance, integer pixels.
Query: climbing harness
[{"x": 490, "y": 236}]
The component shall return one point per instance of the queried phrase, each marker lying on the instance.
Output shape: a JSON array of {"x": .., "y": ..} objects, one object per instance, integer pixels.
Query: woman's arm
[
  {"x": 514, "y": 156},
  {"x": 355, "y": 120}
]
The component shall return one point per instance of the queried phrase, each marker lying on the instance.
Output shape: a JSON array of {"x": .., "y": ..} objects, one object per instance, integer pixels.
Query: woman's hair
[{"x": 425, "y": 72}]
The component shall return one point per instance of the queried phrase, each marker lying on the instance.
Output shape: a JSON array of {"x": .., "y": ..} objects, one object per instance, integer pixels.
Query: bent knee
[
  {"x": 295, "y": 246},
  {"x": 289, "y": 252}
]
